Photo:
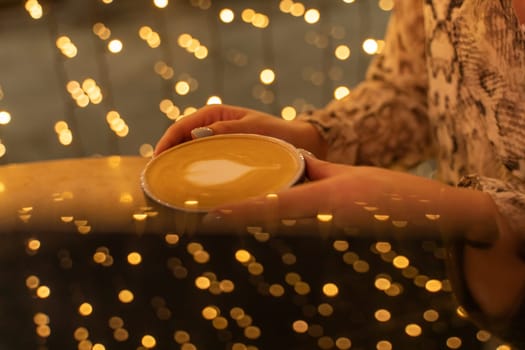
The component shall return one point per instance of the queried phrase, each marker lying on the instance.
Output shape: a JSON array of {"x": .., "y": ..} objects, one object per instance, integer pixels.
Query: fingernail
[
  {"x": 203, "y": 131},
  {"x": 306, "y": 153}
]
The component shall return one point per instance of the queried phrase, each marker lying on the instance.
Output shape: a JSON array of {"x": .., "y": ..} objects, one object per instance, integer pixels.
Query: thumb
[{"x": 317, "y": 169}]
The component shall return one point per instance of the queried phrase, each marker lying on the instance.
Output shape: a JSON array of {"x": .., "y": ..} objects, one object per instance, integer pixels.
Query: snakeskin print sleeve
[
  {"x": 383, "y": 121},
  {"x": 476, "y": 60}
]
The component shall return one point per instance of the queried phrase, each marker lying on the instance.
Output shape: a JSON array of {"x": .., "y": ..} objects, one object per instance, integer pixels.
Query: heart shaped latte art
[{"x": 217, "y": 171}]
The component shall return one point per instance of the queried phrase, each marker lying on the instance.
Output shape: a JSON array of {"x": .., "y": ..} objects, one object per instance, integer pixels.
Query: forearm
[{"x": 430, "y": 207}]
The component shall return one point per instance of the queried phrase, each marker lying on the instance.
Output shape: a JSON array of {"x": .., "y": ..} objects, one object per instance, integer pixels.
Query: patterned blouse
[{"x": 450, "y": 85}]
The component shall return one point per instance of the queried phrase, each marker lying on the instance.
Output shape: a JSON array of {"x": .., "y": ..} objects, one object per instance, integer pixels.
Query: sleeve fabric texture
[{"x": 449, "y": 85}]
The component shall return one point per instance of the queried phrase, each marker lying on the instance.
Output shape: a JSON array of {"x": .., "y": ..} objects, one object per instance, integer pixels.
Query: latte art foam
[{"x": 219, "y": 171}]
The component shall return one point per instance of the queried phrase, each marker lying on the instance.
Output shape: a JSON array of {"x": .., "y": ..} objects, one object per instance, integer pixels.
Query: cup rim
[{"x": 292, "y": 150}]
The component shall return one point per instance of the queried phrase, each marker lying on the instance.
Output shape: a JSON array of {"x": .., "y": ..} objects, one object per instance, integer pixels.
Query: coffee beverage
[{"x": 202, "y": 174}]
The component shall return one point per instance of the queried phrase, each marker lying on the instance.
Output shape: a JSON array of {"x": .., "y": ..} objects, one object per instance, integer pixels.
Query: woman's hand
[
  {"x": 363, "y": 200},
  {"x": 223, "y": 119}
]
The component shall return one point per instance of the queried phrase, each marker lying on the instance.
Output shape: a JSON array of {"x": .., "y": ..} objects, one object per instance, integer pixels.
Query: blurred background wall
[{"x": 104, "y": 77}]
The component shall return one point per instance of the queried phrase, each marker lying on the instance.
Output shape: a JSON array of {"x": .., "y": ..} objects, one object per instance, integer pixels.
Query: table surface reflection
[{"x": 89, "y": 262}]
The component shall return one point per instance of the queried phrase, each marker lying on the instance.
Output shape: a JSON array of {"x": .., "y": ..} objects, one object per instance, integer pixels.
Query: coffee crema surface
[{"x": 202, "y": 174}]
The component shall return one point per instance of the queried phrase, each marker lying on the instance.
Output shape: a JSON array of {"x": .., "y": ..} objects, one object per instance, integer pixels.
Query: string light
[
  {"x": 192, "y": 45},
  {"x": 5, "y": 117},
  {"x": 34, "y": 9},
  {"x": 100, "y": 30},
  {"x": 115, "y": 46},
  {"x": 312, "y": 16},
  {"x": 67, "y": 47},
  {"x": 342, "y": 52},
  {"x": 226, "y": 15}
]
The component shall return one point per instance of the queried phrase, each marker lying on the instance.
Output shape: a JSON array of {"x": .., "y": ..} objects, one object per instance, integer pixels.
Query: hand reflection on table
[
  {"x": 90, "y": 197},
  {"x": 486, "y": 262}
]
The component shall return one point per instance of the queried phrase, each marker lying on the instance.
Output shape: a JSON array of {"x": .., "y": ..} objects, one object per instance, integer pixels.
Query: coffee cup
[{"x": 205, "y": 173}]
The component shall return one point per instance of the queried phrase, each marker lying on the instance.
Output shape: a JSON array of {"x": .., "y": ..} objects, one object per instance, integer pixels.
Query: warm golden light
[
  {"x": 34, "y": 9},
  {"x": 43, "y": 331},
  {"x": 252, "y": 332},
  {"x": 382, "y": 283},
  {"x": 342, "y": 52},
  {"x": 431, "y": 315},
  {"x": 32, "y": 282},
  {"x": 276, "y": 290},
  {"x": 181, "y": 337},
  {"x": 226, "y": 286},
  {"x": 40, "y": 318},
  {"x": 115, "y": 46},
  {"x": 483, "y": 335},
  {"x": 226, "y": 15},
  {"x": 401, "y": 262},
  {"x": 383, "y": 344},
  {"x": 370, "y": 46},
  {"x": 160, "y": 3},
  {"x": 302, "y": 288},
  {"x": 172, "y": 238},
  {"x": 80, "y": 334},
  {"x": 383, "y": 248},
  {"x": 324, "y": 217},
  {"x": 343, "y": 343},
  {"x": 242, "y": 256},
  {"x": 330, "y": 289},
  {"x": 312, "y": 16},
  {"x": 116, "y": 322},
  {"x": 382, "y": 315},
  {"x": 325, "y": 309},
  {"x": 300, "y": 326},
  {"x": 33, "y": 244},
  {"x": 288, "y": 113},
  {"x": 148, "y": 341},
  {"x": 125, "y": 296},
  {"x": 267, "y": 76},
  {"x": 454, "y": 342},
  {"x": 210, "y": 312},
  {"x": 433, "y": 286},
  {"x": 285, "y": 5},
  {"x": 214, "y": 100},
  {"x": 65, "y": 137},
  {"x": 255, "y": 268},
  {"x": 220, "y": 323},
  {"x": 43, "y": 292},
  {"x": 340, "y": 245},
  {"x": 202, "y": 282},
  {"x": 201, "y": 52},
  {"x": 297, "y": 9},
  {"x": 413, "y": 330},
  {"x": 386, "y": 5},
  {"x": 85, "y": 309},
  {"x": 5, "y": 117},
  {"x": 182, "y": 88},
  {"x": 381, "y": 217},
  {"x": 461, "y": 312},
  {"x": 237, "y": 313},
  {"x": 361, "y": 266},
  {"x": 145, "y": 32},
  {"x": 503, "y": 347},
  {"x": 146, "y": 150}
]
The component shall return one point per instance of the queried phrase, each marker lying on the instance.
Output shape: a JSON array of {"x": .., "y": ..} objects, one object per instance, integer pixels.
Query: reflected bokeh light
[{"x": 91, "y": 263}]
